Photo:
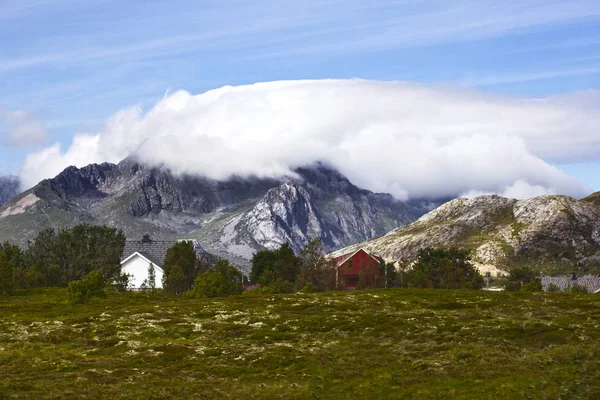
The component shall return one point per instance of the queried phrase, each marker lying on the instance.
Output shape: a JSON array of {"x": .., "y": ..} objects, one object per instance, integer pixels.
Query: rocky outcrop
[
  {"x": 9, "y": 188},
  {"x": 551, "y": 233},
  {"x": 286, "y": 214}
]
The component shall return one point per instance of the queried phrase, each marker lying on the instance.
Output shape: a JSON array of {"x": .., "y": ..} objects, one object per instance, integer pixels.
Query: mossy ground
[{"x": 399, "y": 343}]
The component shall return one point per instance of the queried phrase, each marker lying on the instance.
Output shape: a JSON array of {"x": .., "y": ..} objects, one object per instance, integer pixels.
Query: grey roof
[
  {"x": 156, "y": 250},
  {"x": 565, "y": 283}
]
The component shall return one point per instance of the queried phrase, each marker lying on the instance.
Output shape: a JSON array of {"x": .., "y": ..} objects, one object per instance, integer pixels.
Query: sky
[{"x": 416, "y": 98}]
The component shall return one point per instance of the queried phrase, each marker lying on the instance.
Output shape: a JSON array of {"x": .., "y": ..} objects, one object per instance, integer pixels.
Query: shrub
[
  {"x": 92, "y": 285},
  {"x": 579, "y": 289},
  {"x": 445, "y": 269},
  {"x": 524, "y": 278},
  {"x": 276, "y": 287},
  {"x": 533, "y": 286},
  {"x": 309, "y": 288},
  {"x": 553, "y": 288},
  {"x": 6, "y": 276},
  {"x": 221, "y": 280}
]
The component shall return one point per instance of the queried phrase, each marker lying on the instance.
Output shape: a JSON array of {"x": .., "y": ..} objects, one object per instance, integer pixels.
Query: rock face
[
  {"x": 232, "y": 218},
  {"x": 552, "y": 233},
  {"x": 9, "y": 188}
]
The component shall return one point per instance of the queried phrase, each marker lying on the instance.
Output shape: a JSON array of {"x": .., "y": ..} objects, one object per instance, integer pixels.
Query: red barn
[{"x": 350, "y": 265}]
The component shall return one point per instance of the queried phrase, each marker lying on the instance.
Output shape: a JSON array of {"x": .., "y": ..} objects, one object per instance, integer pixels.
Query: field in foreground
[{"x": 381, "y": 344}]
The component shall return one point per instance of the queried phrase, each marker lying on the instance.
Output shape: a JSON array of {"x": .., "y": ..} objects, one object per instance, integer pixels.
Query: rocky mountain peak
[{"x": 285, "y": 214}]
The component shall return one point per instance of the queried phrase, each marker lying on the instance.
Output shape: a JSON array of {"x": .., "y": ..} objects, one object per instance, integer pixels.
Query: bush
[
  {"x": 6, "y": 276},
  {"x": 92, "y": 285},
  {"x": 221, "y": 280},
  {"x": 524, "y": 278},
  {"x": 444, "y": 269},
  {"x": 553, "y": 288},
  {"x": 309, "y": 288},
  {"x": 533, "y": 286},
  {"x": 276, "y": 287},
  {"x": 579, "y": 289}
]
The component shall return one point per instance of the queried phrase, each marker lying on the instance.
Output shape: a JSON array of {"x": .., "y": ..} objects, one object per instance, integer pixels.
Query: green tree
[
  {"x": 262, "y": 261},
  {"x": 315, "y": 268},
  {"x": 76, "y": 251},
  {"x": 150, "y": 282},
  {"x": 523, "y": 278},
  {"x": 221, "y": 280},
  {"x": 389, "y": 273},
  {"x": 444, "y": 268},
  {"x": 269, "y": 266},
  {"x": 92, "y": 285},
  {"x": 181, "y": 267},
  {"x": 174, "y": 280},
  {"x": 6, "y": 275}
]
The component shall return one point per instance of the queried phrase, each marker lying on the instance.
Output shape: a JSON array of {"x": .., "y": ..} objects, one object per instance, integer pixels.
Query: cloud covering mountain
[{"x": 407, "y": 139}]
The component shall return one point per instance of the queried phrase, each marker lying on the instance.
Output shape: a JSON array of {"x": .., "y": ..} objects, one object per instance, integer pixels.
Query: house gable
[
  {"x": 350, "y": 266},
  {"x": 136, "y": 265}
]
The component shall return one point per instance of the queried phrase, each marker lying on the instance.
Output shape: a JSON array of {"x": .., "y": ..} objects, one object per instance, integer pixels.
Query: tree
[
  {"x": 270, "y": 266},
  {"x": 315, "y": 268},
  {"x": 92, "y": 285},
  {"x": 181, "y": 267},
  {"x": 76, "y": 252},
  {"x": 174, "y": 281},
  {"x": 261, "y": 261},
  {"x": 444, "y": 268},
  {"x": 523, "y": 278},
  {"x": 150, "y": 282},
  {"x": 6, "y": 276},
  {"x": 221, "y": 280},
  {"x": 389, "y": 273}
]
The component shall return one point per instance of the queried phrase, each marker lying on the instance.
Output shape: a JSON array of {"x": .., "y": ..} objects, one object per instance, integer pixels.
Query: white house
[
  {"x": 138, "y": 255},
  {"x": 137, "y": 267}
]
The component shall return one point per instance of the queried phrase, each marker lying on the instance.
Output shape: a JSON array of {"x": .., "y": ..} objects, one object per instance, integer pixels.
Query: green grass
[{"x": 401, "y": 343}]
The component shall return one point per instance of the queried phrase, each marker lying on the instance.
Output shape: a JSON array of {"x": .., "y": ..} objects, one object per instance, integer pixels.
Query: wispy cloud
[
  {"x": 268, "y": 30},
  {"x": 22, "y": 130}
]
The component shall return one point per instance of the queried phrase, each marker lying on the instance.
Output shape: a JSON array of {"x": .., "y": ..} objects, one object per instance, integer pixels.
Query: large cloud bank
[{"x": 407, "y": 139}]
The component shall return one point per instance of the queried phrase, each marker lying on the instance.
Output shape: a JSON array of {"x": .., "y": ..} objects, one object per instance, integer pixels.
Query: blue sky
[{"x": 67, "y": 65}]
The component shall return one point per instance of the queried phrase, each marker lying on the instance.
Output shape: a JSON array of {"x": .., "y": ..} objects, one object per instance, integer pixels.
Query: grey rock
[{"x": 9, "y": 188}]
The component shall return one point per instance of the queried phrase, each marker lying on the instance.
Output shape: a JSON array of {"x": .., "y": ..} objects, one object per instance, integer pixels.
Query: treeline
[{"x": 57, "y": 258}]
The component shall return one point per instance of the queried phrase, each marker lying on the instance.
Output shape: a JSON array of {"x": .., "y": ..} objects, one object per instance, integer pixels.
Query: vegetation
[
  {"x": 221, "y": 280},
  {"x": 83, "y": 290},
  {"x": 383, "y": 344},
  {"x": 523, "y": 278},
  {"x": 181, "y": 267},
  {"x": 444, "y": 268},
  {"x": 271, "y": 266},
  {"x": 315, "y": 269},
  {"x": 58, "y": 258}
]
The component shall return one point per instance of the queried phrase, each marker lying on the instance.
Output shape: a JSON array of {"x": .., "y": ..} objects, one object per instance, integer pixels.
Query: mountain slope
[
  {"x": 9, "y": 188},
  {"x": 230, "y": 218},
  {"x": 550, "y": 233}
]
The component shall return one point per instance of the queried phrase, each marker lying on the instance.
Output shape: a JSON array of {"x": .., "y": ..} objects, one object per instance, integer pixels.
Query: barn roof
[
  {"x": 156, "y": 250},
  {"x": 341, "y": 259}
]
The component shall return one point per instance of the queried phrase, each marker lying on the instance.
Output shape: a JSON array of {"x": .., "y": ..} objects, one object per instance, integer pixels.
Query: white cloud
[
  {"x": 21, "y": 129},
  {"x": 407, "y": 139}
]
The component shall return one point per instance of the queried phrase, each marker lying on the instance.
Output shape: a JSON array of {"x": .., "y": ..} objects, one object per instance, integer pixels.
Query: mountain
[
  {"x": 554, "y": 234},
  {"x": 9, "y": 188},
  {"x": 231, "y": 218}
]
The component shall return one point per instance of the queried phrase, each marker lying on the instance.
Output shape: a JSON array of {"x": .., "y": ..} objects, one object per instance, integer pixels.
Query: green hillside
[
  {"x": 401, "y": 343},
  {"x": 594, "y": 198}
]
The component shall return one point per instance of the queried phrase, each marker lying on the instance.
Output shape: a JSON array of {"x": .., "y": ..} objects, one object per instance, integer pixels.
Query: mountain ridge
[
  {"x": 231, "y": 218},
  {"x": 552, "y": 233}
]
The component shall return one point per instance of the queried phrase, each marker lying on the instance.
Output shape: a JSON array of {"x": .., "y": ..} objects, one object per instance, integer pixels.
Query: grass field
[{"x": 395, "y": 344}]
